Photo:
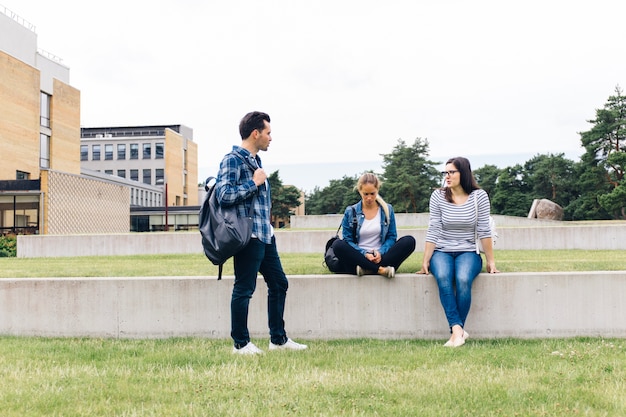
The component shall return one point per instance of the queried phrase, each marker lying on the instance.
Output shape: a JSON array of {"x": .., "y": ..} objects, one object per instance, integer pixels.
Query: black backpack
[
  {"x": 330, "y": 259},
  {"x": 223, "y": 231}
]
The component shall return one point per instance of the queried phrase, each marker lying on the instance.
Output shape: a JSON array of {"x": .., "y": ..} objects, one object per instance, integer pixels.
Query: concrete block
[{"x": 521, "y": 305}]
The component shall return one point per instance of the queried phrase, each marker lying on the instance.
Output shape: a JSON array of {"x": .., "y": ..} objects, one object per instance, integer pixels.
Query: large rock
[{"x": 548, "y": 210}]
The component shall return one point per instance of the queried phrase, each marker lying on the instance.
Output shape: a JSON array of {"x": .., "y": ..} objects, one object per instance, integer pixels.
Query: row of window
[
  {"x": 44, "y": 120},
  {"x": 96, "y": 151},
  {"x": 146, "y": 177},
  {"x": 145, "y": 198}
]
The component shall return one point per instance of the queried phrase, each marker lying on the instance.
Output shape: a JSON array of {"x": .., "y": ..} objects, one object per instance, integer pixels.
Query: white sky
[{"x": 343, "y": 80}]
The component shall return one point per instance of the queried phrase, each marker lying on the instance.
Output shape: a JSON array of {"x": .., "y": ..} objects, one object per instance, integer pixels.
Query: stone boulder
[{"x": 548, "y": 210}]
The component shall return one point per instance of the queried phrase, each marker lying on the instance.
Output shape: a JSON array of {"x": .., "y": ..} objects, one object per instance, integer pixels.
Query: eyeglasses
[{"x": 450, "y": 173}]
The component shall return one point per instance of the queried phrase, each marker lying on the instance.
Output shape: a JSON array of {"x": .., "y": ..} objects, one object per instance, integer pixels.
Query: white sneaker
[
  {"x": 249, "y": 349},
  {"x": 360, "y": 271},
  {"x": 390, "y": 272},
  {"x": 290, "y": 345}
]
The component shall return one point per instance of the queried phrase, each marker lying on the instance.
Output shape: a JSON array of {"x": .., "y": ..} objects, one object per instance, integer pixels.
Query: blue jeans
[
  {"x": 263, "y": 258},
  {"x": 455, "y": 273}
]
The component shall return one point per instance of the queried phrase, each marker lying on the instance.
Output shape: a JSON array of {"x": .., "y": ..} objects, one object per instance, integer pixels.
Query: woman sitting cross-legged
[{"x": 372, "y": 247}]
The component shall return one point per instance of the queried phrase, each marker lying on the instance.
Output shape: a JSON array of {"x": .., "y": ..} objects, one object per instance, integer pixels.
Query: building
[
  {"x": 165, "y": 157},
  {"x": 41, "y": 187}
]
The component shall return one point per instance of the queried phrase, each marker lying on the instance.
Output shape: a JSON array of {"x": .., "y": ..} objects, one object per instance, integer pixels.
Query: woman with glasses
[
  {"x": 370, "y": 243},
  {"x": 459, "y": 215}
]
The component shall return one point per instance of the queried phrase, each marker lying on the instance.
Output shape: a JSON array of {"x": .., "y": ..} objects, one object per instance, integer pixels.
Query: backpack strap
[
  {"x": 355, "y": 223},
  {"x": 476, "y": 225}
]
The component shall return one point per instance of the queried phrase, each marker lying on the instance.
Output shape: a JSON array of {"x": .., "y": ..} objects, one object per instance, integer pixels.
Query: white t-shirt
[{"x": 369, "y": 235}]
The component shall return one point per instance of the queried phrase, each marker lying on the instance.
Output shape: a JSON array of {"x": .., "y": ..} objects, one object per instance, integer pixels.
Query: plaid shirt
[{"x": 235, "y": 186}]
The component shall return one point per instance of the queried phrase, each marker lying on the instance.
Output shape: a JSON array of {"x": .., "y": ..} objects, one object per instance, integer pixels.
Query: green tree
[
  {"x": 615, "y": 201},
  {"x": 600, "y": 173},
  {"x": 487, "y": 178},
  {"x": 333, "y": 198},
  {"x": 512, "y": 195},
  {"x": 590, "y": 184},
  {"x": 552, "y": 177},
  {"x": 284, "y": 199},
  {"x": 409, "y": 177}
]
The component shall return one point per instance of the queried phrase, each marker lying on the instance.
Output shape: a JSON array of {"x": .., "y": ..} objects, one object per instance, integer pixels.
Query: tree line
[{"x": 590, "y": 189}]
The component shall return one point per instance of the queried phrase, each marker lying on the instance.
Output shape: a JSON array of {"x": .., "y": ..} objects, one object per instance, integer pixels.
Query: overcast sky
[{"x": 343, "y": 80}]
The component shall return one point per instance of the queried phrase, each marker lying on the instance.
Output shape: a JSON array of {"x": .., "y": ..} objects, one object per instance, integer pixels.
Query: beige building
[
  {"x": 151, "y": 155},
  {"x": 44, "y": 187}
]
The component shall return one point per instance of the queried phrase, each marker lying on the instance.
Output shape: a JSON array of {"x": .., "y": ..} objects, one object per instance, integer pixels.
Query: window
[
  {"x": 147, "y": 176},
  {"x": 108, "y": 171},
  {"x": 121, "y": 173},
  {"x": 158, "y": 150},
  {"x": 44, "y": 110},
  {"x": 21, "y": 175},
  {"x": 121, "y": 151},
  {"x": 95, "y": 152},
  {"x": 84, "y": 152},
  {"x": 159, "y": 175},
  {"x": 147, "y": 151},
  {"x": 108, "y": 152},
  {"x": 134, "y": 174},
  {"x": 134, "y": 151},
  {"x": 44, "y": 151}
]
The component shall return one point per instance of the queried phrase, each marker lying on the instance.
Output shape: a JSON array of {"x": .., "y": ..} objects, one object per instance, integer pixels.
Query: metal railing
[{"x": 18, "y": 19}]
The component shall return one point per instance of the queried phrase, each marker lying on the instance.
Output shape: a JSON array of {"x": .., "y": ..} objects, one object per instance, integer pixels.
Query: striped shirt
[
  {"x": 234, "y": 185},
  {"x": 452, "y": 227}
]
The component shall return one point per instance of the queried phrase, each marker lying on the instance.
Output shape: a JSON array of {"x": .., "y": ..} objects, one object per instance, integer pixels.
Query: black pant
[{"x": 350, "y": 257}]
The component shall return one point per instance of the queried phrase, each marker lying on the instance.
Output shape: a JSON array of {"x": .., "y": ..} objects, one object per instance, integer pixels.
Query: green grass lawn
[
  {"x": 200, "y": 377},
  {"x": 294, "y": 264},
  {"x": 363, "y": 377}
]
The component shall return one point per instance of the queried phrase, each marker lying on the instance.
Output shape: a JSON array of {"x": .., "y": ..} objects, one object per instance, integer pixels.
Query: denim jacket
[{"x": 388, "y": 232}]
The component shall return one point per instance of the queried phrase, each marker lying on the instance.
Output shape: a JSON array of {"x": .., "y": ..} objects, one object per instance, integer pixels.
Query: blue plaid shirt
[{"x": 235, "y": 186}]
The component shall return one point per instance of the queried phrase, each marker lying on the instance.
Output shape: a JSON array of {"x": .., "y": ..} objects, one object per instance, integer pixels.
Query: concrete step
[{"x": 520, "y": 305}]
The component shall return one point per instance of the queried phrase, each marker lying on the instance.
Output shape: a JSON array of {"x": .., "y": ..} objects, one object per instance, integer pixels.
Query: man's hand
[{"x": 259, "y": 176}]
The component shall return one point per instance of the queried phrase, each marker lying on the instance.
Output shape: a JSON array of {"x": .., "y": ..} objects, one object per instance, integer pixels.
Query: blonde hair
[{"x": 371, "y": 178}]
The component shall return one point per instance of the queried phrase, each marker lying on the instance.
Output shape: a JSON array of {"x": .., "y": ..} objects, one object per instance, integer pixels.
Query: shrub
[{"x": 8, "y": 246}]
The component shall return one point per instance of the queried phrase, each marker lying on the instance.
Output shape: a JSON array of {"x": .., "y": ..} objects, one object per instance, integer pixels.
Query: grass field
[
  {"x": 362, "y": 377},
  {"x": 200, "y": 377},
  {"x": 294, "y": 264}
]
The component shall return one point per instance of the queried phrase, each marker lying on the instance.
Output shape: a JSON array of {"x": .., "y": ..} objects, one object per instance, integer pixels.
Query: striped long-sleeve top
[{"x": 452, "y": 227}]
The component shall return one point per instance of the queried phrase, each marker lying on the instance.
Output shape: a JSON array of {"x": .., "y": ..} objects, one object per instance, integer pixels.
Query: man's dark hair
[{"x": 252, "y": 121}]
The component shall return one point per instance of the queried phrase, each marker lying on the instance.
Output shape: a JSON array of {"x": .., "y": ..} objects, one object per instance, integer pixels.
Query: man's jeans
[
  {"x": 263, "y": 258},
  {"x": 455, "y": 273}
]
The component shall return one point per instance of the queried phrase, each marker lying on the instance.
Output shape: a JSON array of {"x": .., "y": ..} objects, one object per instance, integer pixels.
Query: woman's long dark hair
[{"x": 468, "y": 182}]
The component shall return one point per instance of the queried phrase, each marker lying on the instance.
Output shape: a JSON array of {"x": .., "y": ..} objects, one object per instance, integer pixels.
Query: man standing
[{"x": 240, "y": 177}]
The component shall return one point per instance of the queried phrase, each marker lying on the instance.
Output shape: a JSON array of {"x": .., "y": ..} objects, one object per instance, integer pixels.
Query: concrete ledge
[
  {"x": 521, "y": 305},
  {"x": 594, "y": 236}
]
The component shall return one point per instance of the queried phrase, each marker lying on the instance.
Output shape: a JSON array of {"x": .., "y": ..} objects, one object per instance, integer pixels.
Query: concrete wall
[
  {"x": 556, "y": 235},
  {"x": 522, "y": 305},
  {"x": 418, "y": 220}
]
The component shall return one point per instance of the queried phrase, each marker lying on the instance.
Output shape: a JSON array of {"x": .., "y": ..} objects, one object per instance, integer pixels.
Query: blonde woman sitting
[{"x": 372, "y": 247}]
